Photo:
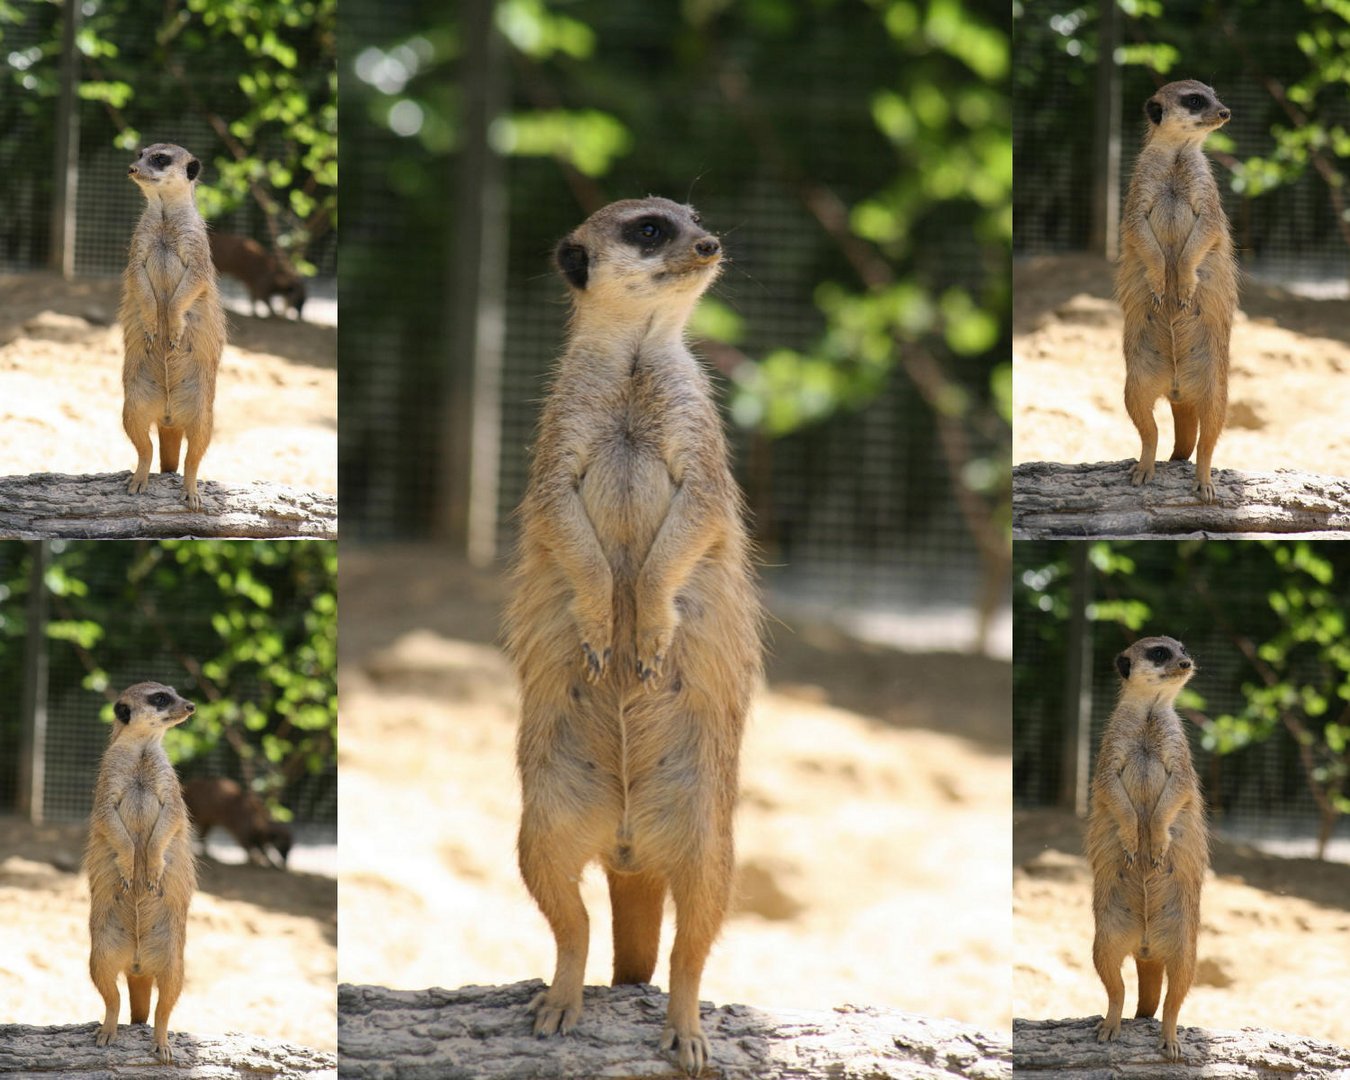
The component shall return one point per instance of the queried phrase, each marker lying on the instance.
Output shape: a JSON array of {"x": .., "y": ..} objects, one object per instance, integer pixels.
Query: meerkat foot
[
  {"x": 691, "y": 1048},
  {"x": 593, "y": 664},
  {"x": 1204, "y": 489},
  {"x": 193, "y": 499},
  {"x": 137, "y": 484},
  {"x": 554, "y": 1016},
  {"x": 164, "y": 1052},
  {"x": 1107, "y": 1031},
  {"x": 1141, "y": 473},
  {"x": 1171, "y": 1048},
  {"x": 106, "y": 1035}
]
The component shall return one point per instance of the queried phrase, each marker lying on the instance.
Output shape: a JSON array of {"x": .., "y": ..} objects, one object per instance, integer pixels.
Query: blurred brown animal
[
  {"x": 635, "y": 620},
  {"x": 1147, "y": 840},
  {"x": 140, "y": 865},
  {"x": 218, "y": 801},
  {"x": 261, "y": 272},
  {"x": 173, "y": 327},
  {"x": 1177, "y": 282}
]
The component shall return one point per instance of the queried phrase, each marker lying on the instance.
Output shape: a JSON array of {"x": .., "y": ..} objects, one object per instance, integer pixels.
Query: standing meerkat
[
  {"x": 634, "y": 625},
  {"x": 1177, "y": 282},
  {"x": 173, "y": 327},
  {"x": 1147, "y": 840},
  {"x": 139, "y": 862}
]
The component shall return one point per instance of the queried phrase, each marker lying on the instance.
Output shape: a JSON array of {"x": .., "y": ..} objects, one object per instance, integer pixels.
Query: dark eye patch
[
  {"x": 159, "y": 700},
  {"x": 160, "y": 160},
  {"x": 649, "y": 232},
  {"x": 1195, "y": 102},
  {"x": 1159, "y": 654}
]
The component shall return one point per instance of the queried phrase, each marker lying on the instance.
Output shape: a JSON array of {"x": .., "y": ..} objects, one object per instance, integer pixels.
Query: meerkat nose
[
  {"x": 1224, "y": 114},
  {"x": 1185, "y": 665},
  {"x": 191, "y": 708},
  {"x": 131, "y": 170},
  {"x": 708, "y": 247}
]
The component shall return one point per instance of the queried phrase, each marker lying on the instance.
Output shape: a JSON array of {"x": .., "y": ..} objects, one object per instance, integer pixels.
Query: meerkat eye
[
  {"x": 1194, "y": 102},
  {"x": 649, "y": 230},
  {"x": 160, "y": 160},
  {"x": 1159, "y": 654},
  {"x": 159, "y": 700}
]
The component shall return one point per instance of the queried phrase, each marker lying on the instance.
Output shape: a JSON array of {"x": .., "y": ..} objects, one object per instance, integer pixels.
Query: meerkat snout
[{"x": 708, "y": 247}]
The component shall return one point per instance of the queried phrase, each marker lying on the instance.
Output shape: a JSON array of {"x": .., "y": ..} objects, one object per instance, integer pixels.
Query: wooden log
[
  {"x": 70, "y": 1050},
  {"x": 1069, "y": 1050},
  {"x": 484, "y": 1033},
  {"x": 97, "y": 507},
  {"x": 1052, "y": 501}
]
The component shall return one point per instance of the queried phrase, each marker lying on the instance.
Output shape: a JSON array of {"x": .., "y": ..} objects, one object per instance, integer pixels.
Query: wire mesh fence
[
  {"x": 1288, "y": 232},
  {"x": 83, "y": 674},
  {"x": 1261, "y": 789}
]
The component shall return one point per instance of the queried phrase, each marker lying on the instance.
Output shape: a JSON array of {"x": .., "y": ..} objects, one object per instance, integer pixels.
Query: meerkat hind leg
[
  {"x": 197, "y": 442},
  {"x": 636, "y": 902},
  {"x": 1107, "y": 958},
  {"x": 145, "y": 451},
  {"x": 1139, "y": 404},
  {"x": 701, "y": 893},
  {"x": 170, "y": 985},
  {"x": 1180, "y": 972},
  {"x": 1186, "y": 425},
  {"x": 551, "y": 865},
  {"x": 104, "y": 975},
  {"x": 170, "y": 443}
]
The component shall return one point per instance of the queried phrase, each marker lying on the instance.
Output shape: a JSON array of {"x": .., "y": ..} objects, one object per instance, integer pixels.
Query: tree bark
[
  {"x": 483, "y": 1033},
  {"x": 1073, "y": 502},
  {"x": 1069, "y": 1050},
  {"x": 97, "y": 507},
  {"x": 69, "y": 1050}
]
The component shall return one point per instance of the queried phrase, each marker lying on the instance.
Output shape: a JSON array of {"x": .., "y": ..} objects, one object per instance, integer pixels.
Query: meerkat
[
  {"x": 1177, "y": 282},
  {"x": 173, "y": 327},
  {"x": 1147, "y": 840},
  {"x": 140, "y": 865},
  {"x": 261, "y": 271},
  {"x": 634, "y": 625},
  {"x": 218, "y": 800}
]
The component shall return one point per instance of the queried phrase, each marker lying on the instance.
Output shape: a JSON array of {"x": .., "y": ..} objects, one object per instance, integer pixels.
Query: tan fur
[
  {"x": 139, "y": 862},
  {"x": 261, "y": 271},
  {"x": 1147, "y": 841},
  {"x": 173, "y": 327},
  {"x": 1177, "y": 283},
  {"x": 218, "y": 801},
  {"x": 635, "y": 621}
]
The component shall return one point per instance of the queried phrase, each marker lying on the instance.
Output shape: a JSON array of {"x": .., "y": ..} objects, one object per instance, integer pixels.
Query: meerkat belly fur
[
  {"x": 1177, "y": 282},
  {"x": 173, "y": 327},
  {"x": 1147, "y": 840},
  {"x": 140, "y": 865},
  {"x": 635, "y": 622}
]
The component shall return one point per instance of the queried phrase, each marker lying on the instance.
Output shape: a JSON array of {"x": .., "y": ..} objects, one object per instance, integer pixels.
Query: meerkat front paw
[
  {"x": 594, "y": 663},
  {"x": 691, "y": 1048},
  {"x": 653, "y": 646},
  {"x": 1141, "y": 473},
  {"x": 595, "y": 627}
]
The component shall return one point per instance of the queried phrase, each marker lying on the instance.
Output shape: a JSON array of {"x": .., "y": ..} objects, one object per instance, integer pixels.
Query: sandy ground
[
  {"x": 261, "y": 944},
  {"x": 1069, "y": 375},
  {"x": 61, "y": 389},
  {"x": 1274, "y": 950},
  {"x": 873, "y": 822}
]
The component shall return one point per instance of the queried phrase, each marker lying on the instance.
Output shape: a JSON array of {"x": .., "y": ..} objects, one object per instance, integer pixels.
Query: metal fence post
[
  {"x": 1077, "y": 744},
  {"x": 67, "y": 167},
  {"x": 1105, "y": 238},
  {"x": 33, "y": 734}
]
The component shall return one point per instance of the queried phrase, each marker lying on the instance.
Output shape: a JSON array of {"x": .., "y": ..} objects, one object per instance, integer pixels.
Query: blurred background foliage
[
  {"x": 1266, "y": 624},
  {"x": 246, "y": 630},
  {"x": 259, "y": 75},
  {"x": 1284, "y": 69},
  {"x": 883, "y": 125}
]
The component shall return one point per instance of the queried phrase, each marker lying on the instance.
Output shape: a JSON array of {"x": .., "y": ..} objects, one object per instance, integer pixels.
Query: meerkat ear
[
  {"x": 574, "y": 263},
  {"x": 193, "y": 168},
  {"x": 122, "y": 711},
  {"x": 1123, "y": 665},
  {"x": 1153, "y": 107}
]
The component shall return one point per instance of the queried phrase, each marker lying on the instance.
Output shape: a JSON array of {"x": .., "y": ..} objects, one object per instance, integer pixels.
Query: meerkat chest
[
  {"x": 1145, "y": 767},
  {"x": 1174, "y": 211},
  {"x": 164, "y": 262},
  {"x": 628, "y": 486},
  {"x": 141, "y": 799}
]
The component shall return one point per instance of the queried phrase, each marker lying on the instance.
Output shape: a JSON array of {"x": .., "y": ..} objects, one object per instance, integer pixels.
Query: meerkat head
[
  {"x": 1184, "y": 111},
  {"x": 148, "y": 710},
  {"x": 639, "y": 252},
  {"x": 1155, "y": 664},
  {"x": 164, "y": 168}
]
